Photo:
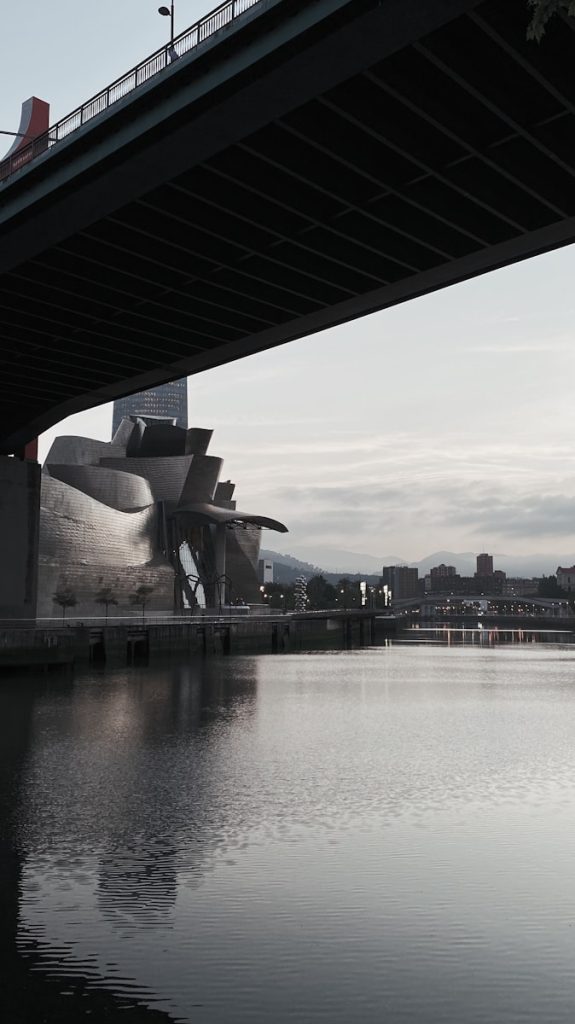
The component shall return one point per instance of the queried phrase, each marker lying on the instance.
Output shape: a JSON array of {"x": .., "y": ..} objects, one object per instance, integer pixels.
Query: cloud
[
  {"x": 523, "y": 348},
  {"x": 440, "y": 502},
  {"x": 235, "y": 375},
  {"x": 528, "y": 516},
  {"x": 329, "y": 497},
  {"x": 544, "y": 342}
]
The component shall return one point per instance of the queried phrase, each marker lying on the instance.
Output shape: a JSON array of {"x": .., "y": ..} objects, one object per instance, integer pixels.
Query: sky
[{"x": 443, "y": 423}]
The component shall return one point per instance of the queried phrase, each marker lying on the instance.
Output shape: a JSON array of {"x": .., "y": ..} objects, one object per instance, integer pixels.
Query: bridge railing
[{"x": 184, "y": 43}]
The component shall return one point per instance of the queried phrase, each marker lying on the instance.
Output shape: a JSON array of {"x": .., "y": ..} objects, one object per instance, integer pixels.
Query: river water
[{"x": 376, "y": 835}]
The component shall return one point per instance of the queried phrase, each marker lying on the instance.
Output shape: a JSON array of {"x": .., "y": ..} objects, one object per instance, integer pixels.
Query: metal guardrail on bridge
[{"x": 187, "y": 41}]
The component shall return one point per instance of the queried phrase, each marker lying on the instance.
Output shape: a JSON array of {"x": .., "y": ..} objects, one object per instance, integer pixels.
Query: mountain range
[{"x": 333, "y": 561}]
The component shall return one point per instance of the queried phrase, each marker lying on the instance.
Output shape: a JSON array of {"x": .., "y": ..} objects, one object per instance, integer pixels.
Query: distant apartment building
[
  {"x": 566, "y": 578},
  {"x": 443, "y": 570},
  {"x": 442, "y": 583},
  {"x": 438, "y": 577},
  {"x": 401, "y": 580},
  {"x": 266, "y": 570},
  {"x": 484, "y": 565},
  {"x": 466, "y": 585},
  {"x": 515, "y": 586}
]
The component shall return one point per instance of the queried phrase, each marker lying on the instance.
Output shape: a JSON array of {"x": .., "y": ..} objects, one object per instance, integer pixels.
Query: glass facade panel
[{"x": 169, "y": 401}]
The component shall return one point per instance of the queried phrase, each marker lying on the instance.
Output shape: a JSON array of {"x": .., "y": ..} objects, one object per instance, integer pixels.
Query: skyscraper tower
[
  {"x": 484, "y": 565},
  {"x": 169, "y": 401}
]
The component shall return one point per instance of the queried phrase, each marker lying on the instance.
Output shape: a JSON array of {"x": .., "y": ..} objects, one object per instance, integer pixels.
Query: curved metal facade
[
  {"x": 166, "y": 476},
  {"x": 86, "y": 546},
  {"x": 112, "y": 521},
  {"x": 82, "y": 451},
  {"x": 125, "y": 492}
]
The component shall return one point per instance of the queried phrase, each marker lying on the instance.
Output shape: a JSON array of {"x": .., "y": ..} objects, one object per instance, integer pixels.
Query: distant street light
[{"x": 168, "y": 12}]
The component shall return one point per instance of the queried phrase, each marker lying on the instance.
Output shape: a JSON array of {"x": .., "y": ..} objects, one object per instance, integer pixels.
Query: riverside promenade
[{"x": 131, "y": 639}]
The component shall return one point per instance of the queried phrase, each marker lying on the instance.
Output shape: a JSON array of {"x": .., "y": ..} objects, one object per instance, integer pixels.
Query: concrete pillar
[
  {"x": 347, "y": 632},
  {"x": 19, "y": 535}
]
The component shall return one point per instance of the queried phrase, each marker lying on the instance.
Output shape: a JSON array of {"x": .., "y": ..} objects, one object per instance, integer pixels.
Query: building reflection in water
[
  {"x": 137, "y": 884},
  {"x": 104, "y": 768},
  {"x": 481, "y": 635}
]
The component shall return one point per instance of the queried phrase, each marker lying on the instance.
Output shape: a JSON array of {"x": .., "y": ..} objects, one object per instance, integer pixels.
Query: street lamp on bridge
[{"x": 168, "y": 12}]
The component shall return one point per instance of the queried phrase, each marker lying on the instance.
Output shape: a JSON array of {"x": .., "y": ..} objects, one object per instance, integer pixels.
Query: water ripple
[{"x": 376, "y": 835}]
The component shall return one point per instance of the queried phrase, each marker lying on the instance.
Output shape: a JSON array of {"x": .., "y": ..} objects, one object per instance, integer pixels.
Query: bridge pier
[
  {"x": 347, "y": 633},
  {"x": 227, "y": 640},
  {"x": 19, "y": 537}
]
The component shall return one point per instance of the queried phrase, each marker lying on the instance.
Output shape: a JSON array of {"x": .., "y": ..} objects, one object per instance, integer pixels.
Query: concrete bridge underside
[{"x": 311, "y": 163}]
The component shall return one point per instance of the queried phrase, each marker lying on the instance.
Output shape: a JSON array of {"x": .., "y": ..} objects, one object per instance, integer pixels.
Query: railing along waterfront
[{"x": 187, "y": 41}]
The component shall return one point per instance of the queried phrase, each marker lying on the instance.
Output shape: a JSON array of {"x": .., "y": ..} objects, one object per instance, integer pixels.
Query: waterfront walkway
[{"x": 125, "y": 640}]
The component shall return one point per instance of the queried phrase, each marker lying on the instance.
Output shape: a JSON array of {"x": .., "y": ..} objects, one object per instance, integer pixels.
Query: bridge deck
[{"x": 309, "y": 164}]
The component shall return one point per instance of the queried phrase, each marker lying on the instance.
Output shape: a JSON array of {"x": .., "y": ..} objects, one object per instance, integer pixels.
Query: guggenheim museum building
[{"x": 146, "y": 510}]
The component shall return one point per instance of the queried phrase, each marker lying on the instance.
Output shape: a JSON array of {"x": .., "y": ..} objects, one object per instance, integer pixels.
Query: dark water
[{"x": 384, "y": 835}]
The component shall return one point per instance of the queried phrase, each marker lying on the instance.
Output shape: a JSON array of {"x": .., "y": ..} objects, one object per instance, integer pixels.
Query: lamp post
[
  {"x": 168, "y": 12},
  {"x": 223, "y": 581}
]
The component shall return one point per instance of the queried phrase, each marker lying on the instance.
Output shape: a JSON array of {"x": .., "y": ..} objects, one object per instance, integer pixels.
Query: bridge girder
[{"x": 314, "y": 163}]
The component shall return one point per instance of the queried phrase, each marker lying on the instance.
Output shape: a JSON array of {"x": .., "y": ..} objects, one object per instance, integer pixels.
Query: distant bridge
[
  {"x": 300, "y": 164},
  {"x": 433, "y": 605}
]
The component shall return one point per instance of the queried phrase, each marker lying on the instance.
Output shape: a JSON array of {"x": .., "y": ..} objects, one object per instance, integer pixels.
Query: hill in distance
[
  {"x": 333, "y": 562},
  {"x": 287, "y": 568}
]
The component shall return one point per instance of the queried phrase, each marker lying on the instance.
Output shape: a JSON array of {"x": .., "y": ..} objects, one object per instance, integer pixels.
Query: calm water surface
[{"x": 381, "y": 835}]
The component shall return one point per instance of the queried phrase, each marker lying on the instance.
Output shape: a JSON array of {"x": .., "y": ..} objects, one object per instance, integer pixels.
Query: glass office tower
[{"x": 168, "y": 401}]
